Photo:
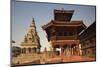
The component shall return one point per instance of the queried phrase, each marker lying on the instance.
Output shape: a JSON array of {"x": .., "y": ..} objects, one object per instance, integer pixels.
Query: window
[
  {"x": 70, "y": 33},
  {"x": 65, "y": 33},
  {"x": 29, "y": 50},
  {"x": 60, "y": 34},
  {"x": 24, "y": 50},
  {"x": 30, "y": 38},
  {"x": 34, "y": 49}
]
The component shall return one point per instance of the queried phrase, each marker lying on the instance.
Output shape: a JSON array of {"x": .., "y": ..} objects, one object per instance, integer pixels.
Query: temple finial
[
  {"x": 33, "y": 23},
  {"x": 25, "y": 39},
  {"x": 33, "y": 20}
]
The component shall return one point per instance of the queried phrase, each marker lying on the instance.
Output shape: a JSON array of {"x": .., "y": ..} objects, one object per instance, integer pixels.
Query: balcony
[{"x": 64, "y": 37}]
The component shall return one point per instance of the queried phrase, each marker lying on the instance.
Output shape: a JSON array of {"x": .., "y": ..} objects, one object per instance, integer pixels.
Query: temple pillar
[
  {"x": 54, "y": 50},
  {"x": 65, "y": 50},
  {"x": 72, "y": 50},
  {"x": 77, "y": 50},
  {"x": 26, "y": 50},
  {"x": 69, "y": 50},
  {"x": 62, "y": 51}
]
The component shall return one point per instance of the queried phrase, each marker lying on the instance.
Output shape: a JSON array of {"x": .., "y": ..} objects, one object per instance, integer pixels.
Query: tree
[
  {"x": 13, "y": 41},
  {"x": 16, "y": 51}
]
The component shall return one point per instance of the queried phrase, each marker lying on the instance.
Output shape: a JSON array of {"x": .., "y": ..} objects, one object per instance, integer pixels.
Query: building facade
[
  {"x": 88, "y": 41},
  {"x": 64, "y": 33}
]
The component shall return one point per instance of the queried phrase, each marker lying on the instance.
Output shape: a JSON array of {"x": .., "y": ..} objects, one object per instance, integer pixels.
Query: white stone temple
[{"x": 30, "y": 47}]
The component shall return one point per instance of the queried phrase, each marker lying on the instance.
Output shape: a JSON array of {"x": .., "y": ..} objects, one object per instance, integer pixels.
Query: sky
[{"x": 23, "y": 12}]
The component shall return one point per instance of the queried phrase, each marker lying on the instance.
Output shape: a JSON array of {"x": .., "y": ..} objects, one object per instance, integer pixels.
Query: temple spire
[
  {"x": 33, "y": 23},
  {"x": 33, "y": 20},
  {"x": 31, "y": 38}
]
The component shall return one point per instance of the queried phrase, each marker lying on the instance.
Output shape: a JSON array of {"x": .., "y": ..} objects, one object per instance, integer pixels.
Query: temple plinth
[{"x": 64, "y": 33}]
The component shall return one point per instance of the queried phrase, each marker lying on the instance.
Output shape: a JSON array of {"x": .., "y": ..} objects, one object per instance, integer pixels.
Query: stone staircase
[{"x": 25, "y": 59}]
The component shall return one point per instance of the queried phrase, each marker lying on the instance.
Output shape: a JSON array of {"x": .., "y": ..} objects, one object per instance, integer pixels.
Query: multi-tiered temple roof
[{"x": 62, "y": 18}]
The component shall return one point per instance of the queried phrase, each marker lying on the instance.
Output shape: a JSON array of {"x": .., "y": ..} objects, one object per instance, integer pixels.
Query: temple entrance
[
  {"x": 66, "y": 50},
  {"x": 58, "y": 53}
]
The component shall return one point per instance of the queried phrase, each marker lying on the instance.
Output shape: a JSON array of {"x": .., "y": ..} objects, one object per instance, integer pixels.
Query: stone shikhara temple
[
  {"x": 64, "y": 33},
  {"x": 31, "y": 42},
  {"x": 30, "y": 47},
  {"x": 71, "y": 41}
]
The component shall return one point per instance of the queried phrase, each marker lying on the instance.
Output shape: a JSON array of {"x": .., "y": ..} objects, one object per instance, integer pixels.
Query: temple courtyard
[{"x": 58, "y": 59}]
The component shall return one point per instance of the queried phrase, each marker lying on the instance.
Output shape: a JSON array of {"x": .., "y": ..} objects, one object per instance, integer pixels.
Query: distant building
[
  {"x": 64, "y": 33},
  {"x": 88, "y": 41},
  {"x": 16, "y": 51}
]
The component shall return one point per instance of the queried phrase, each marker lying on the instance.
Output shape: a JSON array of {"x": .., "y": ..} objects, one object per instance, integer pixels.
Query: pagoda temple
[{"x": 63, "y": 34}]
